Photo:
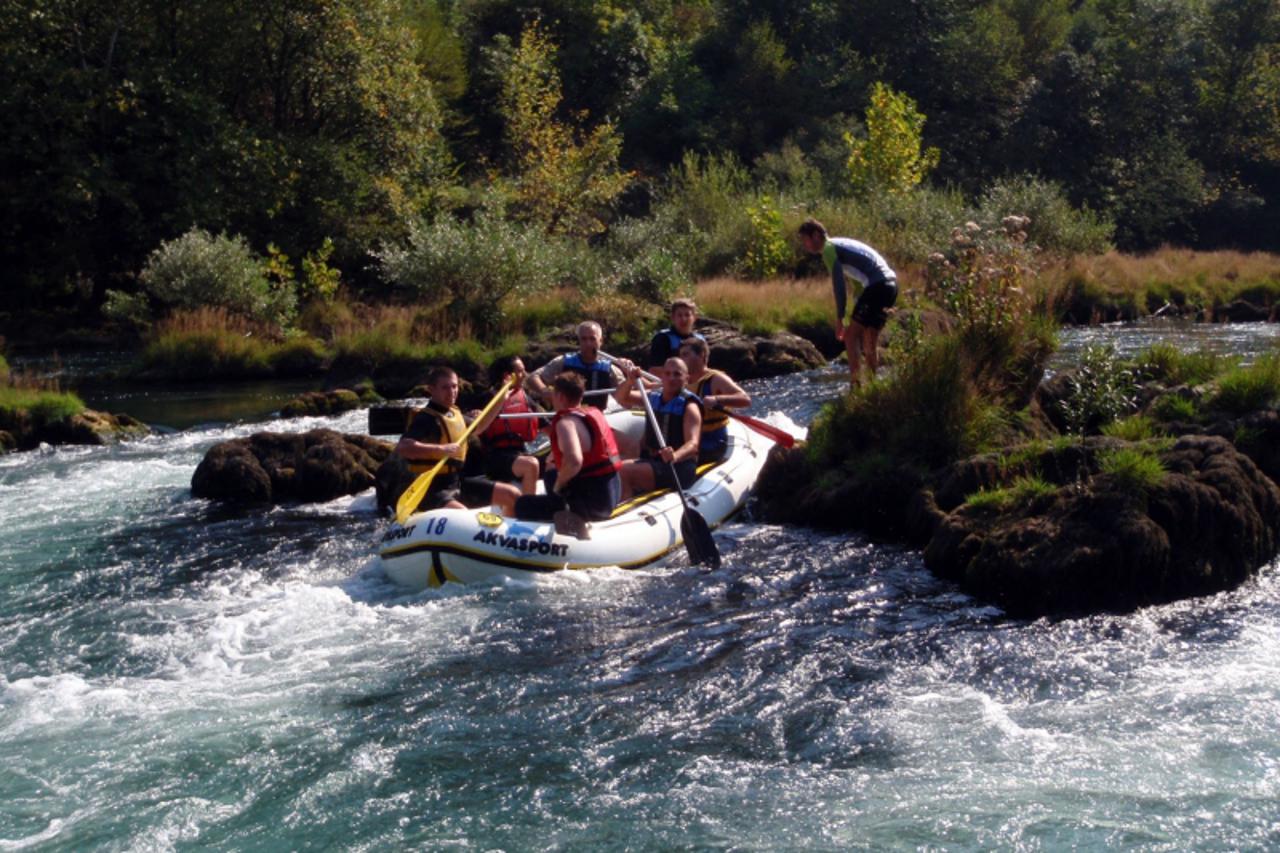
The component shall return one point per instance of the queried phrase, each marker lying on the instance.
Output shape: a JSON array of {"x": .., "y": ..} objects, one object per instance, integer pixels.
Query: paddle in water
[
  {"x": 413, "y": 495},
  {"x": 693, "y": 527}
]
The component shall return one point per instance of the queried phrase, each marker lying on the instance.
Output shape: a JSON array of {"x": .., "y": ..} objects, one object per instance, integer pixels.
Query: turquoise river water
[{"x": 177, "y": 675}]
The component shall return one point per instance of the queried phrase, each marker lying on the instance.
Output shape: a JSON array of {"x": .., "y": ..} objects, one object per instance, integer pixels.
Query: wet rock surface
[
  {"x": 89, "y": 427},
  {"x": 271, "y": 467}
]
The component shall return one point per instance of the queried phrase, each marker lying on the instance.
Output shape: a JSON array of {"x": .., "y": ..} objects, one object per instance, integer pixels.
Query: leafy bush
[
  {"x": 200, "y": 270},
  {"x": 1055, "y": 225},
  {"x": 648, "y": 258},
  {"x": 706, "y": 198},
  {"x": 132, "y": 311},
  {"x": 1134, "y": 469},
  {"x": 473, "y": 268},
  {"x": 1101, "y": 389},
  {"x": 4, "y": 369},
  {"x": 768, "y": 251},
  {"x": 319, "y": 280},
  {"x": 1247, "y": 389},
  {"x": 891, "y": 159}
]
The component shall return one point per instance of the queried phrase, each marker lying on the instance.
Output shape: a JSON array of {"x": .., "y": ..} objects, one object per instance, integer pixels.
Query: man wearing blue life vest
[
  {"x": 858, "y": 266},
  {"x": 680, "y": 419},
  {"x": 435, "y": 433},
  {"x": 718, "y": 392},
  {"x": 597, "y": 372},
  {"x": 665, "y": 344}
]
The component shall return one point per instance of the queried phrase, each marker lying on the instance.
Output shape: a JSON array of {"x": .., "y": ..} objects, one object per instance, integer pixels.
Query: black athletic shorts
[
  {"x": 871, "y": 309},
  {"x": 498, "y": 462},
  {"x": 469, "y": 491},
  {"x": 662, "y": 479},
  {"x": 593, "y": 498}
]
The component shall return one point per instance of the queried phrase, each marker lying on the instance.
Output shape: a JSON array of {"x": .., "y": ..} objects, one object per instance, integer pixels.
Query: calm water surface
[{"x": 175, "y": 675}]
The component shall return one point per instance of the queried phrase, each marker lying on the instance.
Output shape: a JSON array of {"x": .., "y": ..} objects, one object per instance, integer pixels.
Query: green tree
[
  {"x": 890, "y": 159},
  {"x": 565, "y": 179}
]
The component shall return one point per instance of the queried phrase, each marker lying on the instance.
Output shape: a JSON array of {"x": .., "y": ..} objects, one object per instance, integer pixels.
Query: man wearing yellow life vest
[
  {"x": 718, "y": 392},
  {"x": 434, "y": 434}
]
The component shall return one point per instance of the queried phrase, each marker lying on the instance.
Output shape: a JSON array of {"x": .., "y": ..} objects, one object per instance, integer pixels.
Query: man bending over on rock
[
  {"x": 863, "y": 269},
  {"x": 582, "y": 480},
  {"x": 434, "y": 434},
  {"x": 718, "y": 392}
]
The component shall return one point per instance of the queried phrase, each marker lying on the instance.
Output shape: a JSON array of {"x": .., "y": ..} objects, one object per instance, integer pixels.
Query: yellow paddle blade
[{"x": 413, "y": 495}]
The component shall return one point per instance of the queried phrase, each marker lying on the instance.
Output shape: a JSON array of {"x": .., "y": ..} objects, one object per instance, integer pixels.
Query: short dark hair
[
  {"x": 501, "y": 367},
  {"x": 571, "y": 385},
  {"x": 440, "y": 371},
  {"x": 811, "y": 227},
  {"x": 698, "y": 345},
  {"x": 684, "y": 303}
]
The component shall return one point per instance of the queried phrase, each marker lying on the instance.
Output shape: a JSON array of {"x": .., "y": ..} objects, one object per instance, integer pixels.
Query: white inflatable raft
[{"x": 477, "y": 546}]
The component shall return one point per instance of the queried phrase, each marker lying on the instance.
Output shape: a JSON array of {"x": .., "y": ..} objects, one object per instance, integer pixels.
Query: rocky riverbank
[{"x": 1062, "y": 525}]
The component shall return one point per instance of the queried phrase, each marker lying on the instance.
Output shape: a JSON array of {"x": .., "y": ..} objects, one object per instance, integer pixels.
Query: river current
[{"x": 174, "y": 674}]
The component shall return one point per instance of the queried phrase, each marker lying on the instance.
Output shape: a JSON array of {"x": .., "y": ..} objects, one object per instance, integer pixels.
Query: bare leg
[
  {"x": 526, "y": 468},
  {"x": 853, "y": 349},
  {"x": 870, "y": 342},
  {"x": 504, "y": 497},
  {"x": 637, "y": 478}
]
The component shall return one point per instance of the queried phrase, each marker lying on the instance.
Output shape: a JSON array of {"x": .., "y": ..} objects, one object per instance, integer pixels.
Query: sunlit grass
[
  {"x": 1246, "y": 389},
  {"x": 1023, "y": 491},
  {"x": 1135, "y": 469}
]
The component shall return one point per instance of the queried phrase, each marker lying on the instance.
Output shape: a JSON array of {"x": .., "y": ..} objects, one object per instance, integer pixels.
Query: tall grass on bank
[
  {"x": 209, "y": 343},
  {"x": 1130, "y": 286},
  {"x": 764, "y": 307},
  {"x": 31, "y": 402}
]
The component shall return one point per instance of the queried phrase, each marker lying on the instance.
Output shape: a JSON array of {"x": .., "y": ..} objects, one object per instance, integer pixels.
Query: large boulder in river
[
  {"x": 270, "y": 467},
  {"x": 1094, "y": 545}
]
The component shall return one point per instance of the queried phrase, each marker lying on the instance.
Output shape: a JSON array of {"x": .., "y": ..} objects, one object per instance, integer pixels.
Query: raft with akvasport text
[{"x": 478, "y": 546}]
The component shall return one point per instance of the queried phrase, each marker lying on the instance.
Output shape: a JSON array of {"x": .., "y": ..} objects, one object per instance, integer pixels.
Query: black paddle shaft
[{"x": 693, "y": 527}]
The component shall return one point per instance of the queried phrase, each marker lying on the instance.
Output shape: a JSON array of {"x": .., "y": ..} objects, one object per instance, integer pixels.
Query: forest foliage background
[{"x": 475, "y": 149}]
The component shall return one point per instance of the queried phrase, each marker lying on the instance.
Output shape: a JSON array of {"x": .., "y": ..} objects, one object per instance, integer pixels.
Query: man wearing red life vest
[{"x": 582, "y": 481}]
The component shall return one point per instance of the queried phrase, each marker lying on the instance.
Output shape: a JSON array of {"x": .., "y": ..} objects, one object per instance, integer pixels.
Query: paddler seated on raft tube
[
  {"x": 718, "y": 392},
  {"x": 433, "y": 435},
  {"x": 666, "y": 343},
  {"x": 597, "y": 372},
  {"x": 680, "y": 419},
  {"x": 582, "y": 478},
  {"x": 504, "y": 440}
]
